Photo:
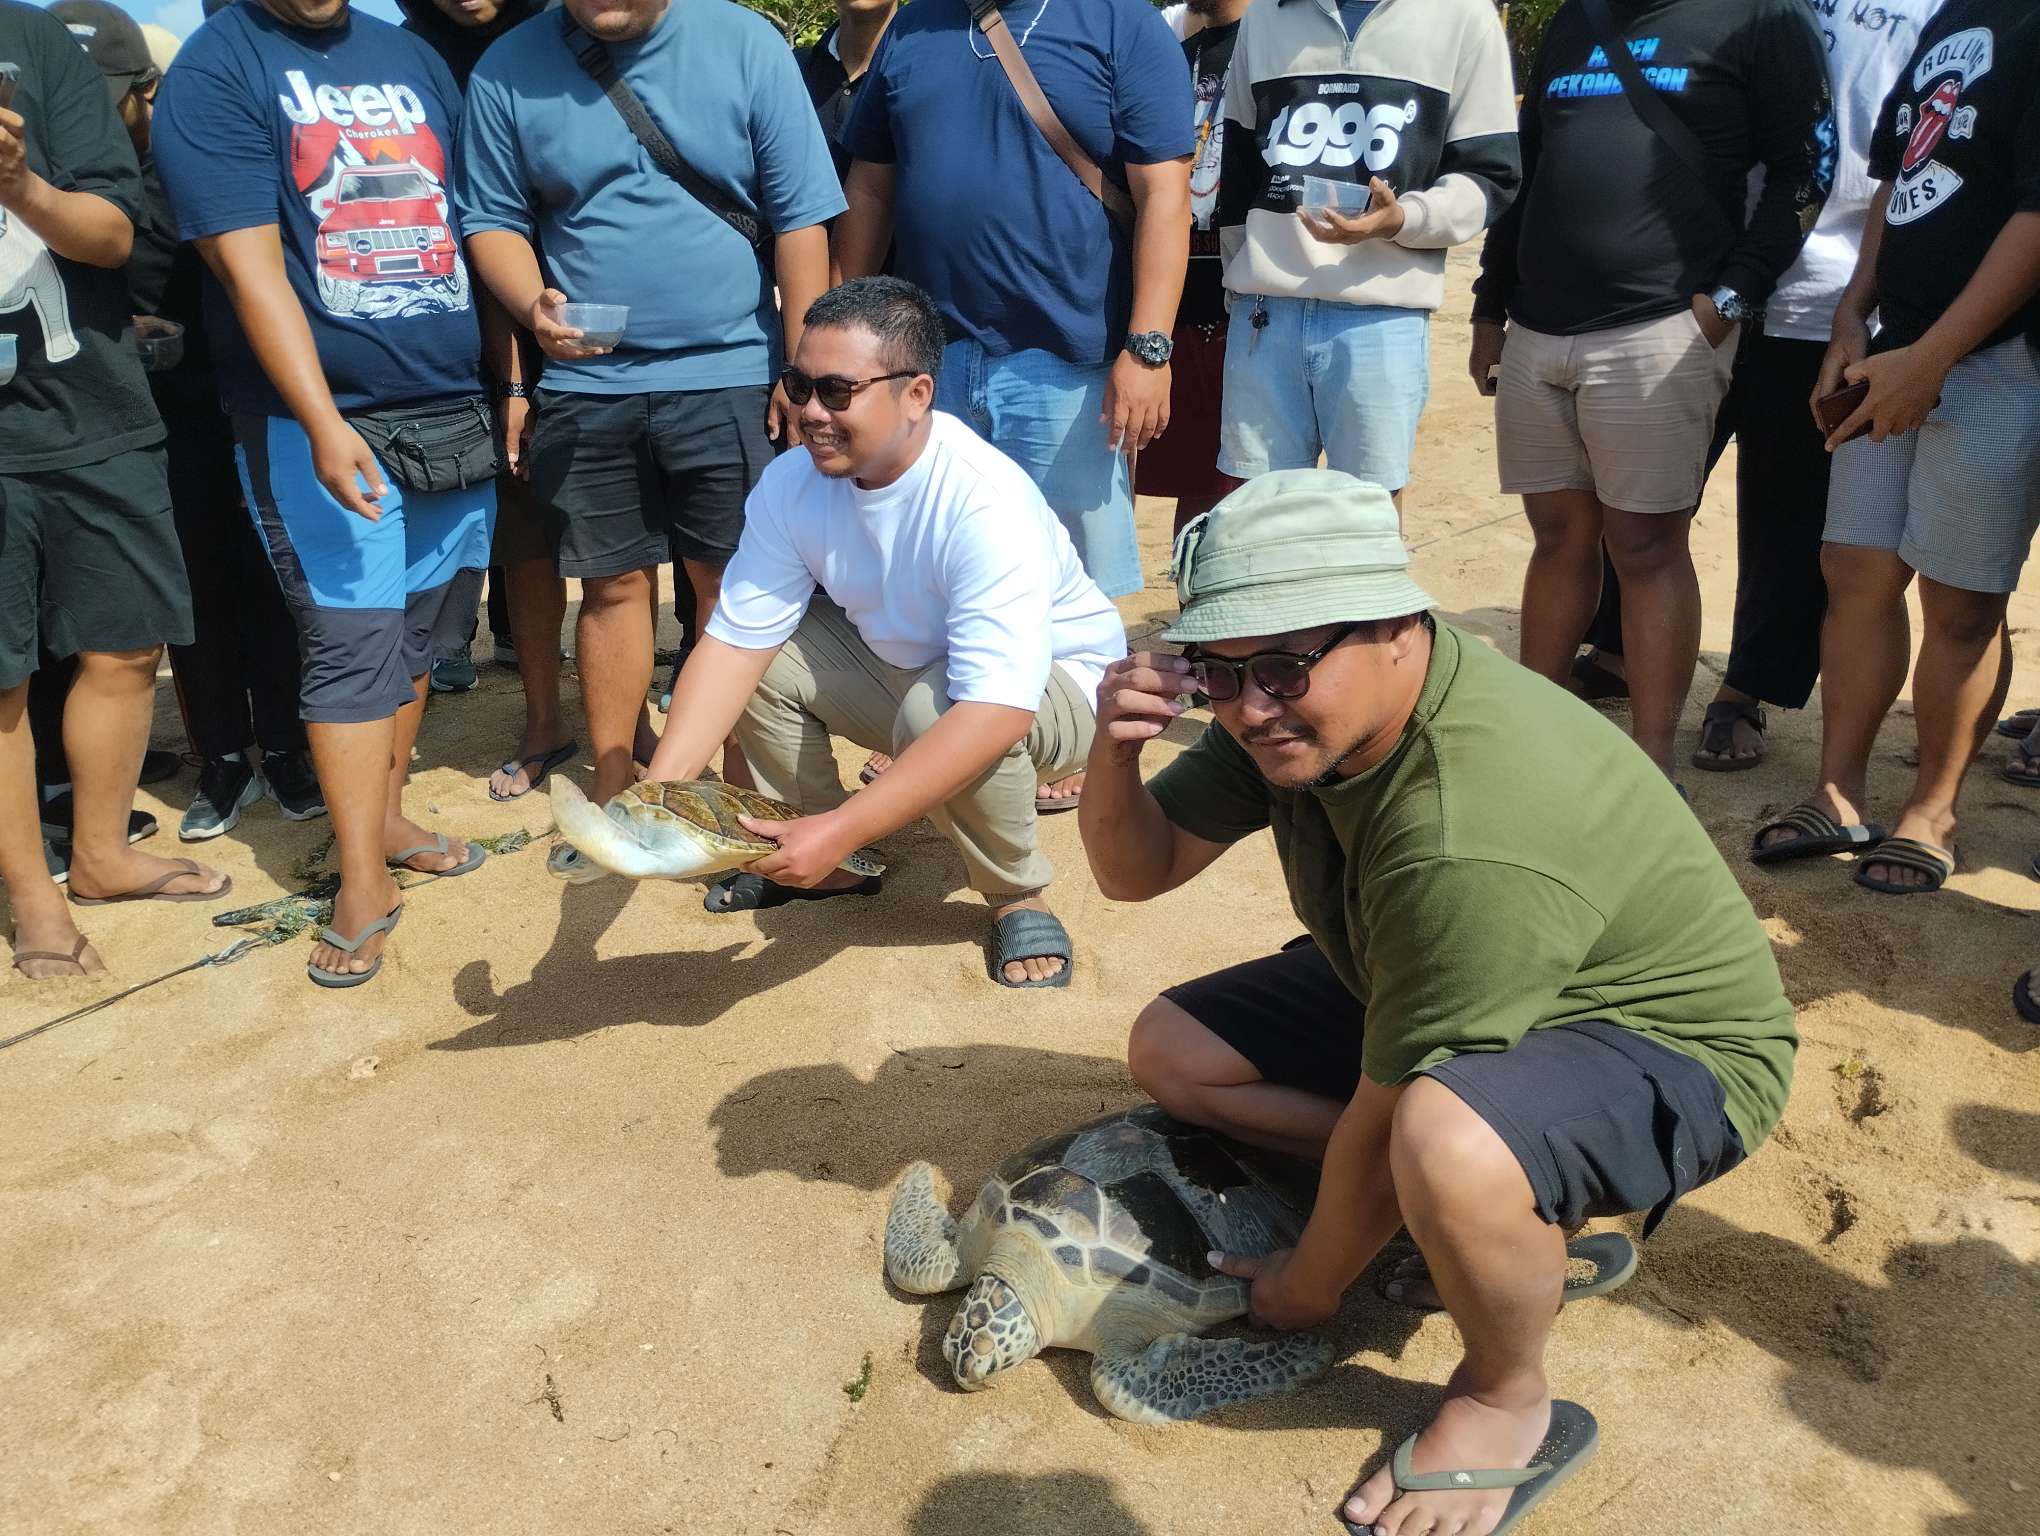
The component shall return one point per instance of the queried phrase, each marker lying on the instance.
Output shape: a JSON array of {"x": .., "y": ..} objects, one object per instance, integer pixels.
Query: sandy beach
[{"x": 571, "y": 1221}]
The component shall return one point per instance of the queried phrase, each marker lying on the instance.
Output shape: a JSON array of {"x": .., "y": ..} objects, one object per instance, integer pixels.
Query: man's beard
[
  {"x": 1205, "y": 8},
  {"x": 1322, "y": 769}
]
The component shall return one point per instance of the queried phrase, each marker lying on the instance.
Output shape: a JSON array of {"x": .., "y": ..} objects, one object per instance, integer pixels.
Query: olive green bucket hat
[{"x": 1292, "y": 550}]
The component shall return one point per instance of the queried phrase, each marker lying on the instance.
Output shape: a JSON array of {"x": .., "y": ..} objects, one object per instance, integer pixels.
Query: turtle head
[{"x": 991, "y": 1330}]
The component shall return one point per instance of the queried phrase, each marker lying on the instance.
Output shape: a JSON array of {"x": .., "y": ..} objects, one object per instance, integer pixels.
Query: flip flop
[
  {"x": 324, "y": 978},
  {"x": 1594, "y": 682},
  {"x": 2023, "y": 999},
  {"x": 2019, "y": 722},
  {"x": 154, "y": 891},
  {"x": 545, "y": 761},
  {"x": 1612, "y": 1255},
  {"x": 439, "y": 844},
  {"x": 72, "y": 960},
  {"x": 1937, "y": 864},
  {"x": 1717, "y": 735},
  {"x": 1049, "y": 805},
  {"x": 746, "y": 892},
  {"x": 1566, "y": 1447},
  {"x": 869, "y": 773},
  {"x": 2023, "y": 767},
  {"x": 1030, "y": 935},
  {"x": 1819, "y": 833}
]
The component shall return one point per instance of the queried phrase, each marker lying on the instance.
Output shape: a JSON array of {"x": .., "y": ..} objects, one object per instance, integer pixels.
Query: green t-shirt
[{"x": 1513, "y": 864}]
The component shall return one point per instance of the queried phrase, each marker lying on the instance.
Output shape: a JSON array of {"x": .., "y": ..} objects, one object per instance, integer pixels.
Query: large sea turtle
[
  {"x": 1096, "y": 1239},
  {"x": 674, "y": 831}
]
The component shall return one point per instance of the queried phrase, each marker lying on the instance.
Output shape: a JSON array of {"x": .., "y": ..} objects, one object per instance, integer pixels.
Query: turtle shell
[
  {"x": 1140, "y": 1199},
  {"x": 710, "y": 807}
]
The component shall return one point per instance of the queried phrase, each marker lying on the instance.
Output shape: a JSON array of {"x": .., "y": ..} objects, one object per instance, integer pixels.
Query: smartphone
[
  {"x": 1494, "y": 379},
  {"x": 1832, "y": 410},
  {"x": 10, "y": 76}
]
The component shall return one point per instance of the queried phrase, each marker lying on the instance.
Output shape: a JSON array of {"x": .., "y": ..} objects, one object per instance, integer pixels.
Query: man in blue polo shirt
[
  {"x": 649, "y": 447},
  {"x": 1059, "y": 318}
]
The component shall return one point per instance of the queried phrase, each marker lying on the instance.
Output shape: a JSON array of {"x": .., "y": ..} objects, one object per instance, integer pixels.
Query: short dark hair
[{"x": 903, "y": 319}]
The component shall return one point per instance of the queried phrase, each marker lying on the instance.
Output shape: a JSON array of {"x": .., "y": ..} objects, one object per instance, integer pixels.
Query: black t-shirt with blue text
[
  {"x": 1959, "y": 140},
  {"x": 342, "y": 137},
  {"x": 78, "y": 395}
]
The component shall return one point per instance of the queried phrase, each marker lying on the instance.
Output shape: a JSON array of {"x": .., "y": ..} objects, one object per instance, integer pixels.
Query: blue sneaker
[
  {"x": 227, "y": 786},
  {"x": 454, "y": 674}
]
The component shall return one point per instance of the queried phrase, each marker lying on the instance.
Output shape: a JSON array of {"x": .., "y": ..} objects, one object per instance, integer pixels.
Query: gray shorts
[{"x": 1957, "y": 499}]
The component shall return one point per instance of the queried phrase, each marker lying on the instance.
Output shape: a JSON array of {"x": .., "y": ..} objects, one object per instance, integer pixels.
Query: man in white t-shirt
[{"x": 902, "y": 584}]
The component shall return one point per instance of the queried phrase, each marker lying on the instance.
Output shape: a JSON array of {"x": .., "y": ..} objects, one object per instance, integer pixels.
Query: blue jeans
[
  {"x": 1042, "y": 413},
  {"x": 1347, "y": 380}
]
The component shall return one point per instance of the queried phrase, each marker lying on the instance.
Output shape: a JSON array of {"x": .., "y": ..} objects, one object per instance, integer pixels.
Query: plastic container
[
  {"x": 600, "y": 325},
  {"x": 159, "y": 343},
  {"x": 7, "y": 360},
  {"x": 1344, "y": 197}
]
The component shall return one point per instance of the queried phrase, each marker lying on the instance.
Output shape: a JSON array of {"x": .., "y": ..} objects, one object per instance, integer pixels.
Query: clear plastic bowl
[
  {"x": 7, "y": 360},
  {"x": 159, "y": 343},
  {"x": 600, "y": 325},
  {"x": 1346, "y": 197}
]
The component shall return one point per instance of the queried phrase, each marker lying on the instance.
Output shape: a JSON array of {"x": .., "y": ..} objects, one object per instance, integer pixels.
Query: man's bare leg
[
  {"x": 106, "y": 731},
  {"x": 355, "y": 768},
  {"x": 706, "y": 580},
  {"x": 42, "y": 918},
  {"x": 399, "y": 831},
  {"x": 1865, "y": 645},
  {"x": 1660, "y": 622},
  {"x": 1562, "y": 583},
  {"x": 1959, "y": 685},
  {"x": 537, "y": 599},
  {"x": 614, "y": 642},
  {"x": 1197, "y": 1077},
  {"x": 1500, "y": 1268}
]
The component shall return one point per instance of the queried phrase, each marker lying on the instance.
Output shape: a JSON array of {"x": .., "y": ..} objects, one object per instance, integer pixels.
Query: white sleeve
[
  {"x": 999, "y": 579},
  {"x": 767, "y": 585}
]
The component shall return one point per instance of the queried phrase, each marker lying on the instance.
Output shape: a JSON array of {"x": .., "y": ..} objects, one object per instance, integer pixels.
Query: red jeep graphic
[
  {"x": 388, "y": 224},
  {"x": 1935, "y": 113}
]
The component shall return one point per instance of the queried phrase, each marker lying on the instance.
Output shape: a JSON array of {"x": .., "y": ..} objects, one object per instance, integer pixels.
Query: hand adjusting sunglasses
[
  {"x": 1279, "y": 674},
  {"x": 835, "y": 390}
]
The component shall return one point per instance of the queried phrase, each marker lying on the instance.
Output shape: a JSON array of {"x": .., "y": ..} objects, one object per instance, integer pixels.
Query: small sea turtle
[
  {"x": 1096, "y": 1239},
  {"x": 675, "y": 831}
]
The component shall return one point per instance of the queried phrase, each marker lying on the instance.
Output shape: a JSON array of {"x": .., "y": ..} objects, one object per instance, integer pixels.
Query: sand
[{"x": 571, "y": 1221}]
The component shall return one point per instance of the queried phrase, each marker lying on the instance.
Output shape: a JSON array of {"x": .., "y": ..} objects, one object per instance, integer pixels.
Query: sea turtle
[
  {"x": 675, "y": 831},
  {"x": 1096, "y": 1239}
]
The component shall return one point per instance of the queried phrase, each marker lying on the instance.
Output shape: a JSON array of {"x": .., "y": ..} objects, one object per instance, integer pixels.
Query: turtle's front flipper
[
  {"x": 920, "y": 1238},
  {"x": 1180, "y": 1376}
]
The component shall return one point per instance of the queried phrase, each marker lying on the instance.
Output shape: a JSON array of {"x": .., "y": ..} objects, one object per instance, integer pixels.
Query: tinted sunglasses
[
  {"x": 835, "y": 390},
  {"x": 1279, "y": 674}
]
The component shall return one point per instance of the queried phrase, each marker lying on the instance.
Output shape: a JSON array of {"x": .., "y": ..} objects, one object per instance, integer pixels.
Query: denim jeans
[{"x": 1042, "y": 413}]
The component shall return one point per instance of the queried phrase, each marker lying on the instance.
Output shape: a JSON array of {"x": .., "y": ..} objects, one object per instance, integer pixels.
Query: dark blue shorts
[{"x": 1603, "y": 1120}]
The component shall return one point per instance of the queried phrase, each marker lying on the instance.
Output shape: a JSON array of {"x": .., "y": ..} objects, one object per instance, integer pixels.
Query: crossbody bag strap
[
  {"x": 985, "y": 13},
  {"x": 1657, "y": 116},
  {"x": 594, "y": 57}
]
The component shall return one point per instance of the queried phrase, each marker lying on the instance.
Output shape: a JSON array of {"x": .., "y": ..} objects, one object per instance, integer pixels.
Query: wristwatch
[
  {"x": 513, "y": 391},
  {"x": 1730, "y": 305},
  {"x": 1151, "y": 347}
]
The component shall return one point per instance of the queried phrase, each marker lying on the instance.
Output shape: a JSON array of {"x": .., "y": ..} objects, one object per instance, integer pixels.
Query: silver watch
[
  {"x": 1151, "y": 347},
  {"x": 1730, "y": 305}
]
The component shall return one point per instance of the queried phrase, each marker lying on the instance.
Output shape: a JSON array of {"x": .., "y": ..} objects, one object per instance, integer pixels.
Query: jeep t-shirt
[
  {"x": 1959, "y": 140},
  {"x": 343, "y": 137},
  {"x": 78, "y": 396}
]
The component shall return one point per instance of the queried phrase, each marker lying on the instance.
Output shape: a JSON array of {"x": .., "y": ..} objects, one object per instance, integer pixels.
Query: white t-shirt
[
  {"x": 1868, "y": 46},
  {"x": 958, "y": 558}
]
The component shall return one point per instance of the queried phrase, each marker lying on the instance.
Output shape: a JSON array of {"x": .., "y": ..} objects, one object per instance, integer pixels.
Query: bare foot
[
  {"x": 1846, "y": 813},
  {"x": 1934, "y": 831},
  {"x": 129, "y": 869},
  {"x": 874, "y": 765},
  {"x": 1472, "y": 1432},
  {"x": 1034, "y": 967},
  {"x": 1063, "y": 789},
  {"x": 1746, "y": 742},
  {"x": 517, "y": 781},
  {"x": 399, "y": 833},
  {"x": 354, "y": 910}
]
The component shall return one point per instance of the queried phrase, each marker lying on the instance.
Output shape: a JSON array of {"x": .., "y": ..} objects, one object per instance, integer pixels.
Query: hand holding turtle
[
  {"x": 1283, "y": 1296},
  {"x": 810, "y": 848},
  {"x": 1138, "y": 698}
]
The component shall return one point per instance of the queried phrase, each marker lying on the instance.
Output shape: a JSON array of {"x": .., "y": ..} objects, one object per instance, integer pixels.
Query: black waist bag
[{"x": 446, "y": 445}]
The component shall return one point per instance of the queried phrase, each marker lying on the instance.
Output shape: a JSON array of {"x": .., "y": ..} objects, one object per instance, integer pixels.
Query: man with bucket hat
[{"x": 1518, "y": 1006}]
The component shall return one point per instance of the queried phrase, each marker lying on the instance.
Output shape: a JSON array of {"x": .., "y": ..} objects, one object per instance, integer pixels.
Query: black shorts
[
  {"x": 643, "y": 479},
  {"x": 1603, "y": 1120},
  {"x": 89, "y": 560}
]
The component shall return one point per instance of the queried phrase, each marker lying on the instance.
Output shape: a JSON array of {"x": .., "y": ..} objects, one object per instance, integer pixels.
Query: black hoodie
[{"x": 462, "y": 47}]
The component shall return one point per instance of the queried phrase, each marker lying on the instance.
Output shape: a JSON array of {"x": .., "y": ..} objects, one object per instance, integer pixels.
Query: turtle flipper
[
  {"x": 1179, "y": 1376},
  {"x": 920, "y": 1238}
]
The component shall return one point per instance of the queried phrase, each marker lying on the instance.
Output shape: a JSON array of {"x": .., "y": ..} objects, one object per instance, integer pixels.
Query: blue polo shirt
[
  {"x": 1015, "y": 250},
  {"x": 544, "y": 155}
]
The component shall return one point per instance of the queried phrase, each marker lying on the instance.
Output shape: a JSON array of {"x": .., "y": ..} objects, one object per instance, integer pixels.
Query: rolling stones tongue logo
[
  {"x": 1952, "y": 66},
  {"x": 1935, "y": 113}
]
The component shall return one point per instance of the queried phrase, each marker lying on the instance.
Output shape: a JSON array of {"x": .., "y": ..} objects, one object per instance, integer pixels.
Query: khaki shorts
[{"x": 1626, "y": 413}]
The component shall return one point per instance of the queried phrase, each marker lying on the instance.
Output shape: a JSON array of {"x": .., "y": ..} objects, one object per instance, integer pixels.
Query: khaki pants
[{"x": 826, "y": 682}]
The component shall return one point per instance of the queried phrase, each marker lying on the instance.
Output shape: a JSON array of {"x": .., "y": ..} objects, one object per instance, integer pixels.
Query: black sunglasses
[
  {"x": 1279, "y": 674},
  {"x": 835, "y": 390}
]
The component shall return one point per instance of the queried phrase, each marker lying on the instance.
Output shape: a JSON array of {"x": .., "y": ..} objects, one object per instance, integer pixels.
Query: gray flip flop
[
  {"x": 1612, "y": 1254},
  {"x": 1030, "y": 935},
  {"x": 538, "y": 766},
  {"x": 1566, "y": 1447},
  {"x": 324, "y": 978},
  {"x": 439, "y": 844}
]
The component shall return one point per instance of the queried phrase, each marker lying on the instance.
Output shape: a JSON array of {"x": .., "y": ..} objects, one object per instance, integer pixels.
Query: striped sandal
[
  {"x": 1818, "y": 834},
  {"x": 1937, "y": 864}
]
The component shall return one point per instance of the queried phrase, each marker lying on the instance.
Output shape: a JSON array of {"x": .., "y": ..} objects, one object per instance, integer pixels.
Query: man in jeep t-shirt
[{"x": 306, "y": 150}]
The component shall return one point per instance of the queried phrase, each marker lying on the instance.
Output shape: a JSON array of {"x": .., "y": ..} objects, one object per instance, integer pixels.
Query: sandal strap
[
  {"x": 1409, "y": 1480},
  {"x": 1031, "y": 935},
  {"x": 78, "y": 949},
  {"x": 1807, "y": 820},
  {"x": 438, "y": 844},
  {"x": 383, "y": 924},
  {"x": 1910, "y": 853}
]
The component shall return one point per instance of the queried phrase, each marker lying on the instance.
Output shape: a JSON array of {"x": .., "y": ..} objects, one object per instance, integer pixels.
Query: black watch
[
  {"x": 513, "y": 391},
  {"x": 1151, "y": 347}
]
